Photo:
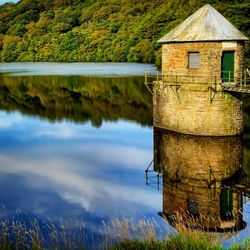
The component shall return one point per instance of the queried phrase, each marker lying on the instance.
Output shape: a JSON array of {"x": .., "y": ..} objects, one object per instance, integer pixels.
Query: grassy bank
[
  {"x": 120, "y": 234},
  {"x": 148, "y": 234},
  {"x": 175, "y": 243}
]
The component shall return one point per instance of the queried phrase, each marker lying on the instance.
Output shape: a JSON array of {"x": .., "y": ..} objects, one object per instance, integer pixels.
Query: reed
[
  {"x": 127, "y": 234},
  {"x": 18, "y": 233},
  {"x": 32, "y": 234}
]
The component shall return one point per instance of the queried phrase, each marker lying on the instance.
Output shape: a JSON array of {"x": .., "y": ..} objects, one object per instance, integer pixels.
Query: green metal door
[
  {"x": 226, "y": 204},
  {"x": 227, "y": 66}
]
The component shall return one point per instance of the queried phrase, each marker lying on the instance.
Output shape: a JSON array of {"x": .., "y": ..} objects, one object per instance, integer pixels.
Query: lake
[{"x": 76, "y": 139}]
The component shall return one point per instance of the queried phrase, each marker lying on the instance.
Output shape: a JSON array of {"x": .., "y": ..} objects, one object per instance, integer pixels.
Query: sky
[{"x": 5, "y": 1}]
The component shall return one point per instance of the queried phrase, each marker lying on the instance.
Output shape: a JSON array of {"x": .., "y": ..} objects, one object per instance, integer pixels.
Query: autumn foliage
[{"x": 100, "y": 30}]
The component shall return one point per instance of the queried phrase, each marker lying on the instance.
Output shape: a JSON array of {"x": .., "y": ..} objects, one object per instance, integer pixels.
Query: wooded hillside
[{"x": 100, "y": 30}]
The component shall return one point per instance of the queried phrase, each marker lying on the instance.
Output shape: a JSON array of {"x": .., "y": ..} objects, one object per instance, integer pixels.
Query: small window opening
[{"x": 193, "y": 60}]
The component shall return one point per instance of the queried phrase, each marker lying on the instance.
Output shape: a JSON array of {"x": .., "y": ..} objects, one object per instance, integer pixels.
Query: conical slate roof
[{"x": 206, "y": 24}]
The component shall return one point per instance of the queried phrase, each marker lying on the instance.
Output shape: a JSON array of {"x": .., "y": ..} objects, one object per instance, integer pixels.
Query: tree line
[{"x": 100, "y": 30}]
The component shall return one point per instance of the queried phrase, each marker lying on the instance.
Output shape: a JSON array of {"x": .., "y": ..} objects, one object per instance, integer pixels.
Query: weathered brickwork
[
  {"x": 192, "y": 111},
  {"x": 198, "y": 105},
  {"x": 186, "y": 162},
  {"x": 175, "y": 58},
  {"x": 198, "y": 154},
  {"x": 240, "y": 63}
]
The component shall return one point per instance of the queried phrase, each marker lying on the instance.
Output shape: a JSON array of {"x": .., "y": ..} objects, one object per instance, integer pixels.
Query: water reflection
[
  {"x": 67, "y": 171},
  {"x": 77, "y": 98},
  {"x": 88, "y": 69},
  {"x": 73, "y": 148},
  {"x": 201, "y": 181}
]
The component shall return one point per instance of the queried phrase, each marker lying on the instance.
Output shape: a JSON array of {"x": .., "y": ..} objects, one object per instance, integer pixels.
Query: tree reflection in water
[{"x": 78, "y": 98}]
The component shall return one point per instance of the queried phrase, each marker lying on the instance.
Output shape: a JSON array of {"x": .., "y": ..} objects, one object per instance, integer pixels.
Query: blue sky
[{"x": 5, "y": 1}]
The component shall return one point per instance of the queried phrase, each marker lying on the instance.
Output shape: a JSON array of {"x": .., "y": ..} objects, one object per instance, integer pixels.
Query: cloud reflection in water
[{"x": 71, "y": 170}]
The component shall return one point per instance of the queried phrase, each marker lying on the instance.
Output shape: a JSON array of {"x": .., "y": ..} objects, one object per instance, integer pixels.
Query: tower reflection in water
[{"x": 200, "y": 177}]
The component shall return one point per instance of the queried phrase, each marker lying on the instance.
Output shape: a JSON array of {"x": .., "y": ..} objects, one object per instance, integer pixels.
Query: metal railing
[
  {"x": 241, "y": 79},
  {"x": 153, "y": 178}
]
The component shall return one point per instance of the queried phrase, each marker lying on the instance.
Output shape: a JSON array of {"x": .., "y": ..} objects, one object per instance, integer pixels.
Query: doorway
[
  {"x": 227, "y": 67},
  {"x": 226, "y": 204}
]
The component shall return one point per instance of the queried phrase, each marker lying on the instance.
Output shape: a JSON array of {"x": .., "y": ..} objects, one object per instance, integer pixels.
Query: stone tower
[
  {"x": 196, "y": 171},
  {"x": 198, "y": 57}
]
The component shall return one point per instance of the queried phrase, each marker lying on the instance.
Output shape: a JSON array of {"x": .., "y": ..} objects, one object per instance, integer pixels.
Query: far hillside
[{"x": 100, "y": 30}]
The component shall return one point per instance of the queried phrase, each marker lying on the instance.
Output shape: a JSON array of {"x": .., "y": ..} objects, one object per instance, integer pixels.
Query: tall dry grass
[
  {"x": 193, "y": 233},
  {"x": 128, "y": 229},
  {"x": 127, "y": 233},
  {"x": 19, "y": 234}
]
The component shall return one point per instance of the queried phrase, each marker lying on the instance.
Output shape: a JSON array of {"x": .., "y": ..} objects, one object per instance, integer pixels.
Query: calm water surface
[{"x": 75, "y": 140}]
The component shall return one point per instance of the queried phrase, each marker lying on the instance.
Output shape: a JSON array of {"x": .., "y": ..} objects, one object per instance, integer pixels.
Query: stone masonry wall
[
  {"x": 175, "y": 57},
  {"x": 198, "y": 105},
  {"x": 175, "y": 153},
  {"x": 191, "y": 158},
  {"x": 195, "y": 110}
]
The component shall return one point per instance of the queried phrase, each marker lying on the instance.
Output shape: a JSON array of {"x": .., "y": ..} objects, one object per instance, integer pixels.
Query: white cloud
[
  {"x": 61, "y": 133},
  {"x": 7, "y": 122},
  {"x": 76, "y": 186},
  {"x": 115, "y": 154}
]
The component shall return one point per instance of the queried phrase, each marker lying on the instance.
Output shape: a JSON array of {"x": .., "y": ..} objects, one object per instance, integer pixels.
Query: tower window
[{"x": 193, "y": 60}]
